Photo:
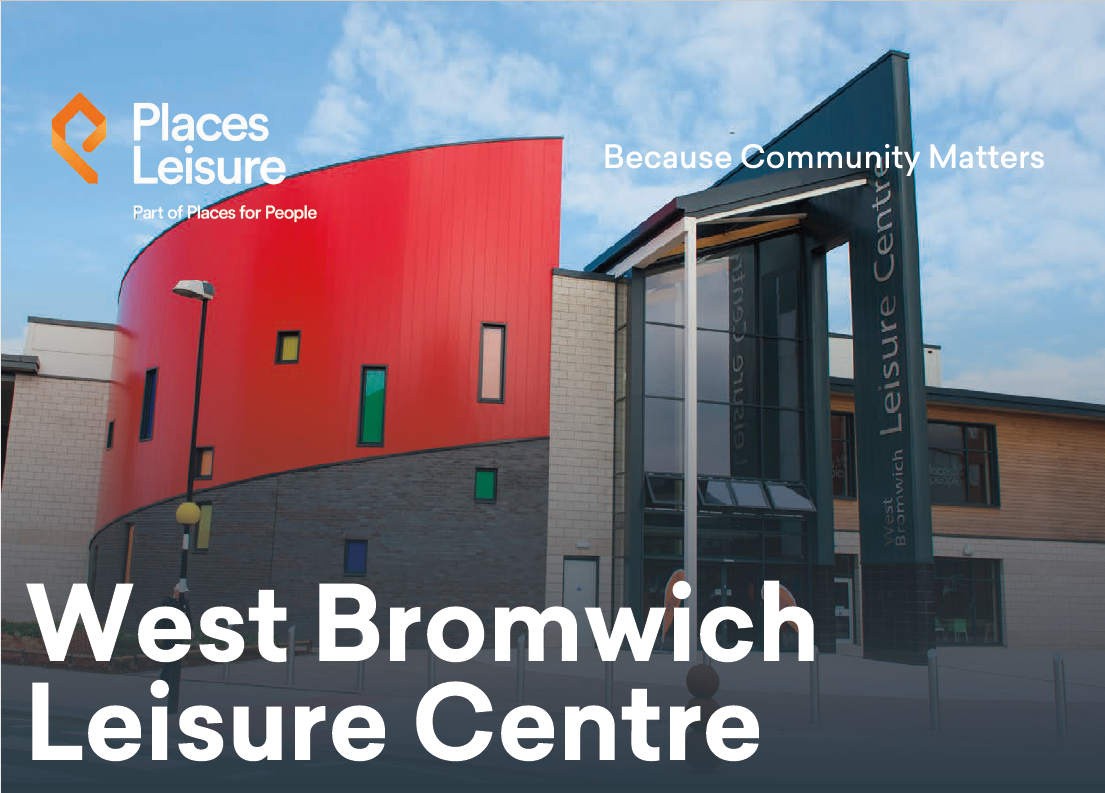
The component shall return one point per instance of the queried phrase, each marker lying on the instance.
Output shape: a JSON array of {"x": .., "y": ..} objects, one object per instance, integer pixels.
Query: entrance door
[
  {"x": 731, "y": 584},
  {"x": 842, "y": 593},
  {"x": 581, "y": 591}
]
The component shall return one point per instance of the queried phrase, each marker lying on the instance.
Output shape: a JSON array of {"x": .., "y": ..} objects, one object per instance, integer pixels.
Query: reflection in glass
[
  {"x": 744, "y": 452},
  {"x": 663, "y": 435},
  {"x": 665, "y": 490},
  {"x": 782, "y": 380},
  {"x": 714, "y": 493},
  {"x": 663, "y": 361},
  {"x": 790, "y": 496},
  {"x": 782, "y": 444},
  {"x": 713, "y": 292},
  {"x": 946, "y": 477},
  {"x": 664, "y": 297},
  {"x": 742, "y": 290},
  {"x": 713, "y": 366},
  {"x": 713, "y": 439},
  {"x": 749, "y": 494}
]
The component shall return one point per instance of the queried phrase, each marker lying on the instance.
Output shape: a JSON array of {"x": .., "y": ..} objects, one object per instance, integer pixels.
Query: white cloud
[{"x": 1042, "y": 374}]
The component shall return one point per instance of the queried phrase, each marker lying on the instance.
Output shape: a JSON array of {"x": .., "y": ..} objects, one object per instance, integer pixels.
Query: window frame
[
  {"x": 991, "y": 452},
  {"x": 280, "y": 336},
  {"x": 851, "y": 473},
  {"x": 502, "y": 365},
  {"x": 383, "y": 410},
  {"x": 345, "y": 557},
  {"x": 195, "y": 542},
  {"x": 149, "y": 399},
  {"x": 197, "y": 462},
  {"x": 494, "y": 485}
]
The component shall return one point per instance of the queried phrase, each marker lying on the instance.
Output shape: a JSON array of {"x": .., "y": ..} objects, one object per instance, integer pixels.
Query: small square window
[
  {"x": 356, "y": 557},
  {"x": 487, "y": 484},
  {"x": 203, "y": 528},
  {"x": 205, "y": 462},
  {"x": 287, "y": 346},
  {"x": 111, "y": 433}
]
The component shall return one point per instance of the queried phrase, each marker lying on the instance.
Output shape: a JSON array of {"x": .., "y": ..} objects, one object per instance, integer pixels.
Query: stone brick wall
[
  {"x": 581, "y": 430},
  {"x": 51, "y": 483},
  {"x": 430, "y": 544}
]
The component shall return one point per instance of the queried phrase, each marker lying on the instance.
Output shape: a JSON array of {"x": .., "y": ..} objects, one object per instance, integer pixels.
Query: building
[
  {"x": 54, "y": 409},
  {"x": 407, "y": 392}
]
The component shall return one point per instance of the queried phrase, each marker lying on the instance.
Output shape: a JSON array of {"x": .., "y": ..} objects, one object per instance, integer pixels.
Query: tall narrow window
[
  {"x": 205, "y": 462},
  {"x": 492, "y": 362},
  {"x": 111, "y": 433},
  {"x": 843, "y": 455},
  {"x": 203, "y": 528},
  {"x": 128, "y": 550},
  {"x": 287, "y": 346},
  {"x": 373, "y": 393},
  {"x": 149, "y": 397}
]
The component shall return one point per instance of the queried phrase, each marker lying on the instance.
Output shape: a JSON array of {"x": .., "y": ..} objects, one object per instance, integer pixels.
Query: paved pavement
[{"x": 997, "y": 719}]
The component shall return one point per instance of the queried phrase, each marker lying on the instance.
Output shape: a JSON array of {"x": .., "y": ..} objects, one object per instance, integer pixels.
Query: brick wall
[
  {"x": 430, "y": 544},
  {"x": 51, "y": 483},
  {"x": 581, "y": 430}
]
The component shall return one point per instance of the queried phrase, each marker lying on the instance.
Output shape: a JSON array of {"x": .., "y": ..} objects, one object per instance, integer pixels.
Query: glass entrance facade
[{"x": 755, "y": 511}]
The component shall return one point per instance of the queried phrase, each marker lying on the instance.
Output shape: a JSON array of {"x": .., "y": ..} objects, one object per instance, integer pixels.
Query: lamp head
[{"x": 197, "y": 290}]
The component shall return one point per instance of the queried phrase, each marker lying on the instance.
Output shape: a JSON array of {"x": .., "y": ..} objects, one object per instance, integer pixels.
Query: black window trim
[
  {"x": 280, "y": 336},
  {"x": 345, "y": 557},
  {"x": 851, "y": 474},
  {"x": 502, "y": 366},
  {"x": 197, "y": 457},
  {"x": 991, "y": 452},
  {"x": 383, "y": 413},
  {"x": 153, "y": 405}
]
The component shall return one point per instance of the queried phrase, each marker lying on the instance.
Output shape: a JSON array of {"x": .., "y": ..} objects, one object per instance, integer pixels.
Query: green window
[
  {"x": 373, "y": 391},
  {"x": 487, "y": 484}
]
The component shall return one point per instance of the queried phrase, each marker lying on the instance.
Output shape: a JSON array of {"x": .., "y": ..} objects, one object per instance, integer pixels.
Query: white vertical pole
[{"x": 690, "y": 423}]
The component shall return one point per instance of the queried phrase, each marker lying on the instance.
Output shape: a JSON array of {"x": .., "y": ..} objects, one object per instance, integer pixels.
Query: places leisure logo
[{"x": 79, "y": 104}]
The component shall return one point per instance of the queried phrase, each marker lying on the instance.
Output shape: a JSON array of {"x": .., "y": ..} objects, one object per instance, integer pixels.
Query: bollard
[
  {"x": 609, "y": 685},
  {"x": 815, "y": 687},
  {"x": 431, "y": 668},
  {"x": 520, "y": 685},
  {"x": 291, "y": 654},
  {"x": 1059, "y": 672},
  {"x": 226, "y": 670},
  {"x": 360, "y": 675},
  {"x": 934, "y": 692}
]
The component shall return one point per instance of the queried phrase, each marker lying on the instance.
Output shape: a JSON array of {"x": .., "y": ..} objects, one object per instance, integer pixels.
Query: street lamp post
[{"x": 188, "y": 513}]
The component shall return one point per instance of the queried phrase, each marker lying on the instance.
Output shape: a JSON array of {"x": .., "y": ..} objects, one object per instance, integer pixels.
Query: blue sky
[{"x": 1013, "y": 262}]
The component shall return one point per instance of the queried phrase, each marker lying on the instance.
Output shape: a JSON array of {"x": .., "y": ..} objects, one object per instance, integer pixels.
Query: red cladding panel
[{"x": 410, "y": 253}]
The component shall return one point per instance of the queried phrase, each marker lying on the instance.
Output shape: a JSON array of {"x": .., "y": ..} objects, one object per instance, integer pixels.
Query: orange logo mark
[{"x": 78, "y": 104}]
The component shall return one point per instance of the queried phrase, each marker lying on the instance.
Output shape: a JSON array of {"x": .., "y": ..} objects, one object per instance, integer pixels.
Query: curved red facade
[{"x": 409, "y": 255}]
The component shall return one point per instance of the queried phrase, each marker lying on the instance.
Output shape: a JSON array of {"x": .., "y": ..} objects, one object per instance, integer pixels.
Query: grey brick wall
[{"x": 430, "y": 544}]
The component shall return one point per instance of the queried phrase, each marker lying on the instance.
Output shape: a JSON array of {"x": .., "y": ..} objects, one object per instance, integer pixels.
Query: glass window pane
[
  {"x": 841, "y": 464},
  {"x": 790, "y": 496},
  {"x": 742, "y": 292},
  {"x": 289, "y": 347},
  {"x": 713, "y": 366},
  {"x": 749, "y": 494},
  {"x": 782, "y": 373},
  {"x": 356, "y": 557},
  {"x": 784, "y": 539},
  {"x": 663, "y": 435},
  {"x": 713, "y": 439},
  {"x": 664, "y": 297},
  {"x": 663, "y": 361},
  {"x": 665, "y": 490},
  {"x": 373, "y": 391},
  {"x": 744, "y": 423},
  {"x": 744, "y": 379},
  {"x": 206, "y": 463},
  {"x": 715, "y": 493},
  {"x": 979, "y": 478},
  {"x": 945, "y": 436},
  {"x": 782, "y": 444},
  {"x": 947, "y": 477},
  {"x": 977, "y": 438},
  {"x": 149, "y": 399},
  {"x": 203, "y": 531},
  {"x": 713, "y": 292},
  {"x": 779, "y": 262},
  {"x": 486, "y": 481},
  {"x": 492, "y": 351}
]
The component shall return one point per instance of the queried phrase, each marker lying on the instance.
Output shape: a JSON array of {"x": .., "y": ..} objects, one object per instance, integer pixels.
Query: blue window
[{"x": 356, "y": 557}]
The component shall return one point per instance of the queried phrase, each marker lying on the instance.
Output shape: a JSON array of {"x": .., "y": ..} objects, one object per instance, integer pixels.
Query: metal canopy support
[
  {"x": 690, "y": 423},
  {"x": 650, "y": 251}
]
